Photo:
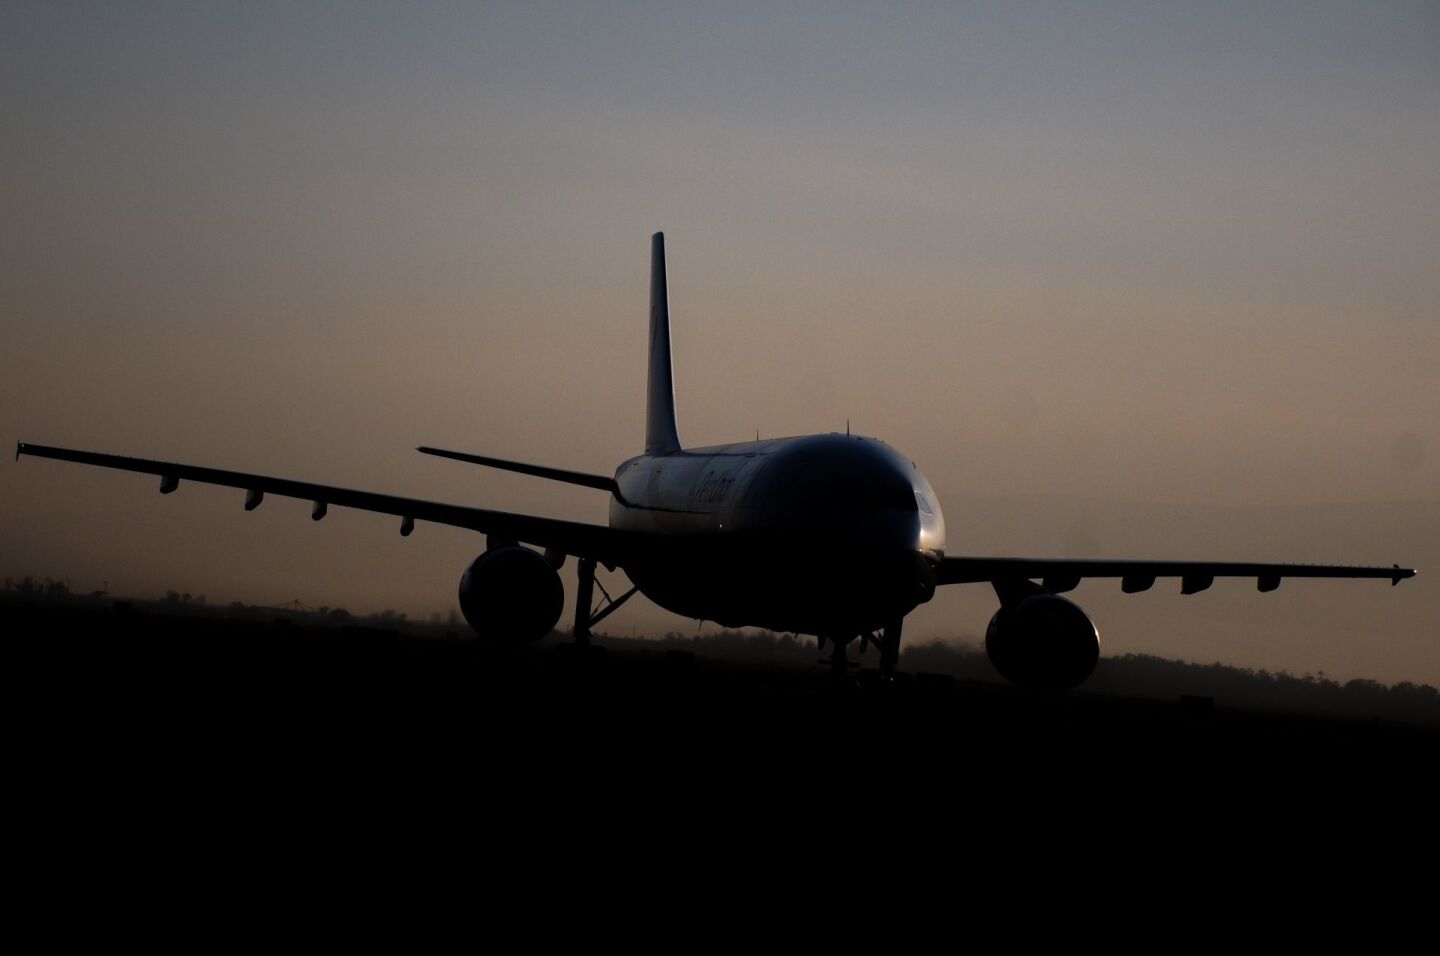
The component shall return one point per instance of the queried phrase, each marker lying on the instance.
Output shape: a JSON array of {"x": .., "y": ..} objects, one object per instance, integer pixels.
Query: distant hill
[{"x": 1139, "y": 675}]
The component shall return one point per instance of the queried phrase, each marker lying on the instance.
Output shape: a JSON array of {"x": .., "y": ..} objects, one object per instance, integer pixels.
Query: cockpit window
[{"x": 924, "y": 504}]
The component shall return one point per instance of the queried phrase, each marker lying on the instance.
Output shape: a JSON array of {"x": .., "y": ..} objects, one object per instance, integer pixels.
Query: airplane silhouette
[{"x": 837, "y": 536}]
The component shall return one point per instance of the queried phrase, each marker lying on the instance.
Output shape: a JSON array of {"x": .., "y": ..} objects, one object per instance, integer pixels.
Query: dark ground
[
  {"x": 136, "y": 736},
  {"x": 277, "y": 760},
  {"x": 136, "y": 688}
]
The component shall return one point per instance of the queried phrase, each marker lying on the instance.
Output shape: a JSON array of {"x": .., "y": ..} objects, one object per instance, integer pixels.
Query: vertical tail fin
[{"x": 660, "y": 433}]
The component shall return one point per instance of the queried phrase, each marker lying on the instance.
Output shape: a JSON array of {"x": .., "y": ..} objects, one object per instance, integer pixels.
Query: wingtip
[{"x": 19, "y": 447}]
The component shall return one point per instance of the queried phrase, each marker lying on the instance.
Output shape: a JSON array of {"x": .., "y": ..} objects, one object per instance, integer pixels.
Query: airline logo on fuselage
[{"x": 713, "y": 488}]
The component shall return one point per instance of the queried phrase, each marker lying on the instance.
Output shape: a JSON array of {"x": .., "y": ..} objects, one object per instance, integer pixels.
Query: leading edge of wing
[
  {"x": 606, "y": 545},
  {"x": 602, "y": 482},
  {"x": 1139, "y": 575}
]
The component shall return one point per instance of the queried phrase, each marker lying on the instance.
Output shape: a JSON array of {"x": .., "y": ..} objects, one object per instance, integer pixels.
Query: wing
[
  {"x": 1062, "y": 575},
  {"x": 607, "y": 545},
  {"x": 603, "y": 482}
]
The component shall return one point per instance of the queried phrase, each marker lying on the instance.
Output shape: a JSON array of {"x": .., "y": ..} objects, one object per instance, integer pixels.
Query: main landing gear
[{"x": 586, "y": 615}]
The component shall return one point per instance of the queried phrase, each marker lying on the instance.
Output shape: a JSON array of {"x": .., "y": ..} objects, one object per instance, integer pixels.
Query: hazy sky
[{"x": 1153, "y": 276}]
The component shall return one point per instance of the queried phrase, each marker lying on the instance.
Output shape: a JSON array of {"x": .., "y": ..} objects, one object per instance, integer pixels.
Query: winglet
[
  {"x": 661, "y": 435},
  {"x": 19, "y": 447}
]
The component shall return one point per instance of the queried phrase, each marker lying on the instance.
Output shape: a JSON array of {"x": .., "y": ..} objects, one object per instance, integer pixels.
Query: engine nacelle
[
  {"x": 1043, "y": 642},
  {"x": 511, "y": 596}
]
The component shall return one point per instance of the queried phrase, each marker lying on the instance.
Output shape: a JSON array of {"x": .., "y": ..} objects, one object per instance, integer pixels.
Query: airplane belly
[{"x": 748, "y": 580}]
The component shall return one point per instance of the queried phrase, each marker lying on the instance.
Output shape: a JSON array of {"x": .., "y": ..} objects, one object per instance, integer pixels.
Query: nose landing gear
[
  {"x": 886, "y": 639},
  {"x": 839, "y": 663}
]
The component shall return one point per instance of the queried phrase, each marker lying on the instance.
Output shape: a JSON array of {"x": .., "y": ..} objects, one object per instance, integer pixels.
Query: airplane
[{"x": 835, "y": 536}]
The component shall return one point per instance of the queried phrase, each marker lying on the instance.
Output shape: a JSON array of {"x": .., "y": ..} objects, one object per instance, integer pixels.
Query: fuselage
[{"x": 823, "y": 534}]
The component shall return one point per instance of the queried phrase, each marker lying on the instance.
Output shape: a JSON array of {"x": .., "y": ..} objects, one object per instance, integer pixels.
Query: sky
[{"x": 1125, "y": 280}]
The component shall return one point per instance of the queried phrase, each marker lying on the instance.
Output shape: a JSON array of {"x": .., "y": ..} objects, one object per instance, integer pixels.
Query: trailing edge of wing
[
  {"x": 1196, "y": 574},
  {"x": 603, "y": 482},
  {"x": 606, "y": 545}
]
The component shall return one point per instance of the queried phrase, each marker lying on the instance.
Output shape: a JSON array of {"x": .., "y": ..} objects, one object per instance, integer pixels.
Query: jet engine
[
  {"x": 1042, "y": 642},
  {"x": 511, "y": 596}
]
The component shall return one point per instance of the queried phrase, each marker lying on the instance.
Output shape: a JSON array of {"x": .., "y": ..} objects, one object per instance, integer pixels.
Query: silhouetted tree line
[
  {"x": 27, "y": 588},
  {"x": 1266, "y": 690},
  {"x": 731, "y": 645},
  {"x": 1229, "y": 686},
  {"x": 183, "y": 603},
  {"x": 1130, "y": 674}
]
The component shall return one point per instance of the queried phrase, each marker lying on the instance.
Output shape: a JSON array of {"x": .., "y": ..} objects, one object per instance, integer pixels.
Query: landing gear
[
  {"x": 888, "y": 641},
  {"x": 586, "y": 616},
  {"x": 890, "y": 647},
  {"x": 584, "y": 597},
  {"x": 839, "y": 663}
]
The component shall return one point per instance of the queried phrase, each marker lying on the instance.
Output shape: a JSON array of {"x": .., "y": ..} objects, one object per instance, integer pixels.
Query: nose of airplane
[
  {"x": 841, "y": 490},
  {"x": 844, "y": 513}
]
